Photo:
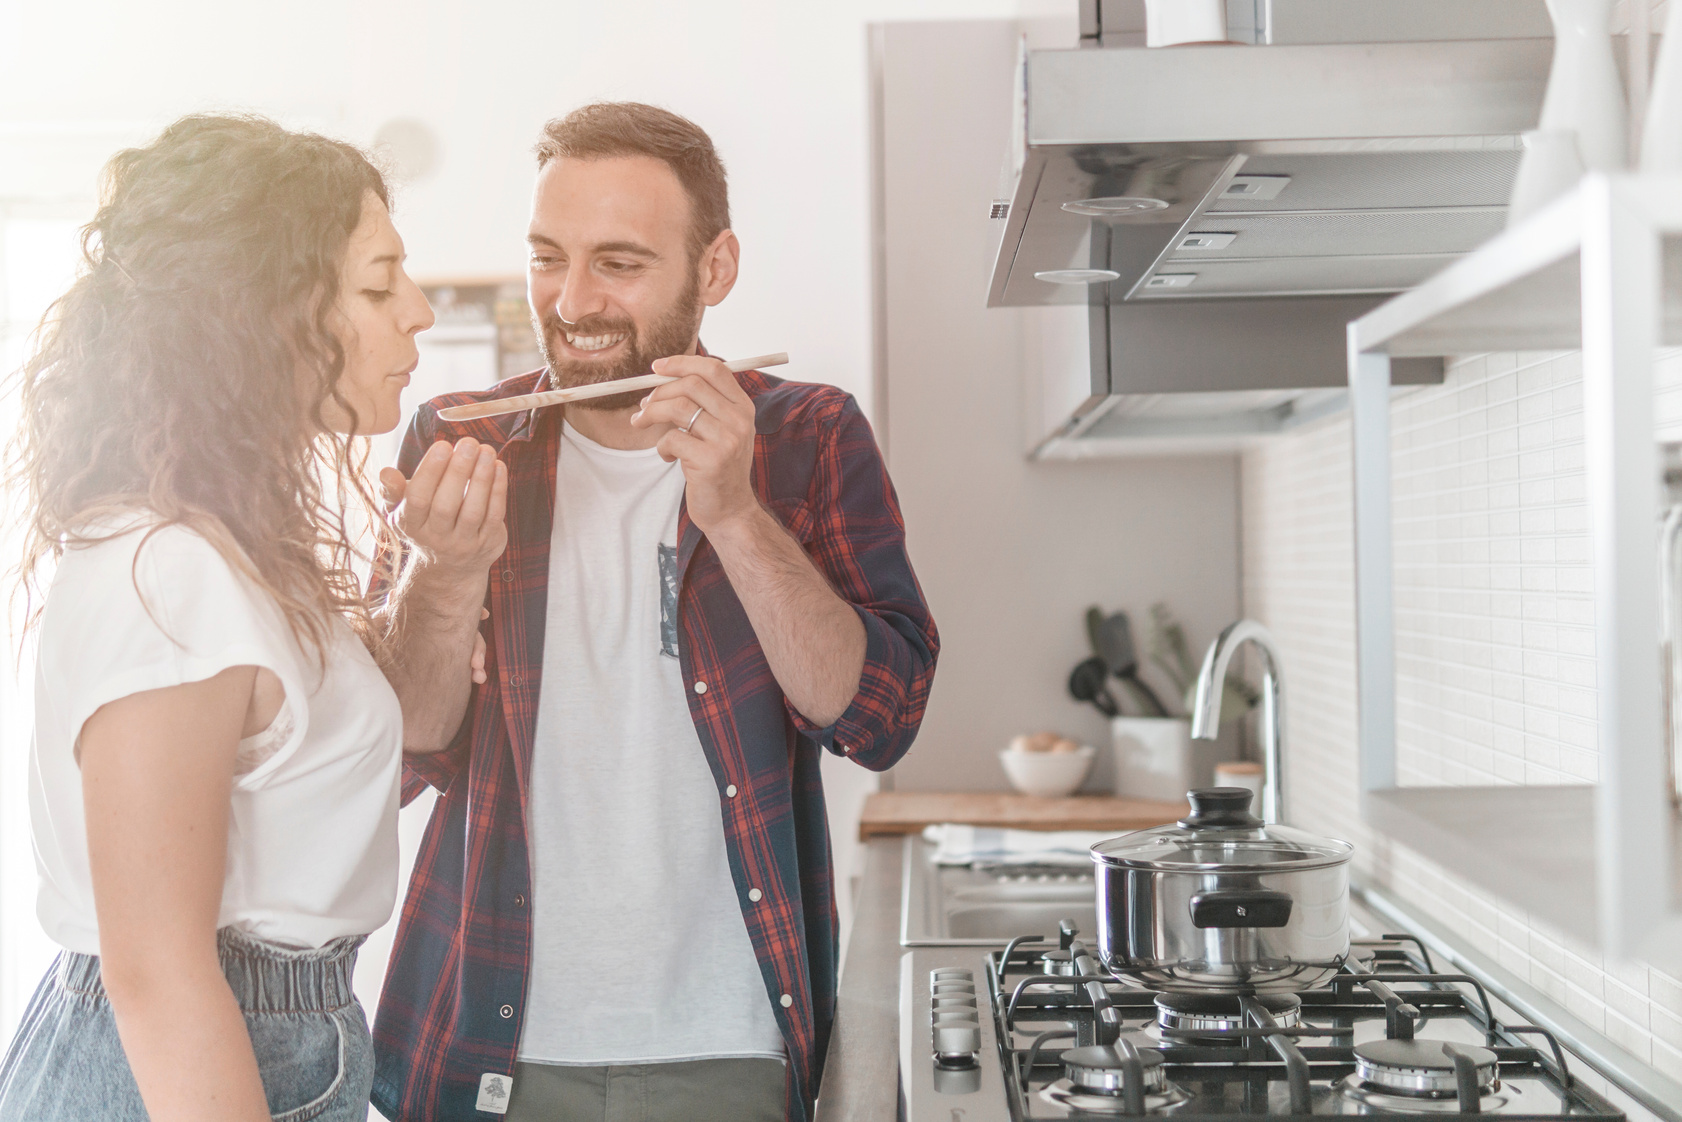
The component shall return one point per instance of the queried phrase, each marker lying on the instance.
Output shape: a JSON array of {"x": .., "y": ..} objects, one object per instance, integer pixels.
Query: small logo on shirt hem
[{"x": 493, "y": 1093}]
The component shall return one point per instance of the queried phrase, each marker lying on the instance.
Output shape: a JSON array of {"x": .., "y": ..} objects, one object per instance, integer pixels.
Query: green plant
[{"x": 1170, "y": 653}]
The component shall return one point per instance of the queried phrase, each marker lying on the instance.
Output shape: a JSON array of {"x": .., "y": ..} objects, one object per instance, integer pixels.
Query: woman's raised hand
[
  {"x": 454, "y": 506},
  {"x": 454, "y": 511}
]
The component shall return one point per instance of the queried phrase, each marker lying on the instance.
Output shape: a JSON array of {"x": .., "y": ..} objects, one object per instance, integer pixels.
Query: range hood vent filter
[
  {"x": 1377, "y": 180},
  {"x": 1345, "y": 234},
  {"x": 1256, "y": 187}
]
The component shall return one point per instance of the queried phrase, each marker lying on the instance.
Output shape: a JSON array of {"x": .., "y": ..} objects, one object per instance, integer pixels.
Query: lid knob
[{"x": 1220, "y": 807}]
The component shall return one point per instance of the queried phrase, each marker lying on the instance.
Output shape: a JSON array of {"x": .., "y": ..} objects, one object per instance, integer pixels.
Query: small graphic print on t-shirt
[{"x": 668, "y": 600}]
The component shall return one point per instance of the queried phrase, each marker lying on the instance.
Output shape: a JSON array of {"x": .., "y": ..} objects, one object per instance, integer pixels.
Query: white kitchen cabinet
[{"x": 1599, "y": 270}]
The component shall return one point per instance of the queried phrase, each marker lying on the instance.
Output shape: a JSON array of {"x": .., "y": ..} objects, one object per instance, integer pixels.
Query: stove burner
[
  {"x": 1215, "y": 1013},
  {"x": 1058, "y": 962},
  {"x": 1099, "y": 1069},
  {"x": 1094, "y": 1080},
  {"x": 1420, "y": 1068},
  {"x": 1364, "y": 1098},
  {"x": 1071, "y": 1098}
]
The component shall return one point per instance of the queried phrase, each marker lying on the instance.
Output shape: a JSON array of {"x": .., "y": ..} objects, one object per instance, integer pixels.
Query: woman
[{"x": 214, "y": 781}]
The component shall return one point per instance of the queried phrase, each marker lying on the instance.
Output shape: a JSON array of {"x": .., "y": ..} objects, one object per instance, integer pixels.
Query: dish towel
[{"x": 957, "y": 844}]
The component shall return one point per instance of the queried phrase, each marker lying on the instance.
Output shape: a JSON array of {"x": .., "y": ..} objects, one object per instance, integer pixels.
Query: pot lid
[{"x": 1221, "y": 835}]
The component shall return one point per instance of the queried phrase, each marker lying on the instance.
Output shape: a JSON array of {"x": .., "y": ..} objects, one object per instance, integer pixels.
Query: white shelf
[
  {"x": 1522, "y": 291},
  {"x": 1599, "y": 270}
]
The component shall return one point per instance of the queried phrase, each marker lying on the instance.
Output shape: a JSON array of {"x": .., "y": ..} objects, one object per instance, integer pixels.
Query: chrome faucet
[{"x": 1206, "y": 711}]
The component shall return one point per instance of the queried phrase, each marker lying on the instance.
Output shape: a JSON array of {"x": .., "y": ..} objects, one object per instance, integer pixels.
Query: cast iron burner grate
[
  {"x": 1389, "y": 1036},
  {"x": 1212, "y": 1017}
]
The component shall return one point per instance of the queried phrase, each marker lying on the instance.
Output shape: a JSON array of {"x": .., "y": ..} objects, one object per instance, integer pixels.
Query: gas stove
[{"x": 1037, "y": 1030}]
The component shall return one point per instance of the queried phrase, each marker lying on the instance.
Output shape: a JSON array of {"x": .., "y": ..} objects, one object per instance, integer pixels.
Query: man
[{"x": 623, "y": 906}]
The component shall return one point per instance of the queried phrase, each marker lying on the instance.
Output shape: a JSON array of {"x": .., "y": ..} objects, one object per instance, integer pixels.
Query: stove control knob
[
  {"x": 965, "y": 1080},
  {"x": 954, "y": 1016},
  {"x": 945, "y": 984},
  {"x": 955, "y": 1037}
]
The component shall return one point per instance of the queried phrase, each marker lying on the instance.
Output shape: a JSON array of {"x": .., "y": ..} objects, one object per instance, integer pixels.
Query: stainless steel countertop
[{"x": 861, "y": 1072}]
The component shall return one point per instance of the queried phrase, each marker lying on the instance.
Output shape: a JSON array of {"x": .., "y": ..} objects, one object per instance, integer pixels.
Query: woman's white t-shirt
[{"x": 312, "y": 836}]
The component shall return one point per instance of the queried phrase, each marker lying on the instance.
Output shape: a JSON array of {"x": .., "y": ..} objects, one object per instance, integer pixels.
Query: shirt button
[
  {"x": 519, "y": 901},
  {"x": 700, "y": 687},
  {"x": 508, "y": 1010},
  {"x": 730, "y": 791},
  {"x": 845, "y": 749},
  {"x": 785, "y": 1001},
  {"x": 508, "y": 576},
  {"x": 754, "y": 894}
]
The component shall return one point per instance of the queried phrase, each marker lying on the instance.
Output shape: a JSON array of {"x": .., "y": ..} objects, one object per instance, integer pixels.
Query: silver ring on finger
[{"x": 695, "y": 417}]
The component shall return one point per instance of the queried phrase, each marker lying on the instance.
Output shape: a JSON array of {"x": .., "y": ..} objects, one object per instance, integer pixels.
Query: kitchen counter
[
  {"x": 861, "y": 1072},
  {"x": 894, "y": 813}
]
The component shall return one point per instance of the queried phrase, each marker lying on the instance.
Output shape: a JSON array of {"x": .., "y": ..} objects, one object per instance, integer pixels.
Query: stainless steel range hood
[{"x": 1296, "y": 185}]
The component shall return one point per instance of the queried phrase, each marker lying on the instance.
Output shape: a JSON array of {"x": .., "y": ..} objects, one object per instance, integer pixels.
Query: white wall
[
  {"x": 1009, "y": 552},
  {"x": 35, "y": 266},
  {"x": 780, "y": 86}
]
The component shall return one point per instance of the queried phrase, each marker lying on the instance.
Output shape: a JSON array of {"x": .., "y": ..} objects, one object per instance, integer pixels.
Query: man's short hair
[{"x": 629, "y": 128}]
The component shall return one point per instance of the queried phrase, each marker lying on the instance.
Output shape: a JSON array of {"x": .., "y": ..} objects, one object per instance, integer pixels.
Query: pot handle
[{"x": 1241, "y": 907}]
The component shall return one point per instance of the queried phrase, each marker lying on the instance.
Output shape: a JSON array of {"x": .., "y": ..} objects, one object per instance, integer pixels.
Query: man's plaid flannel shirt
[{"x": 454, "y": 997}]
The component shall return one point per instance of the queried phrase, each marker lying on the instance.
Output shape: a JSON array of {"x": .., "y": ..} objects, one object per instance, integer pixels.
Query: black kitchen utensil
[
  {"x": 1087, "y": 683},
  {"x": 1114, "y": 640},
  {"x": 1095, "y": 630}
]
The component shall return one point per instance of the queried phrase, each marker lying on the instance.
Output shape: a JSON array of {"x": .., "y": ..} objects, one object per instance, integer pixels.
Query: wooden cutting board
[{"x": 890, "y": 813}]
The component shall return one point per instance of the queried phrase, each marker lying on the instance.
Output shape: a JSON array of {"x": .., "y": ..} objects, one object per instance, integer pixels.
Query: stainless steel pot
[{"x": 1220, "y": 902}]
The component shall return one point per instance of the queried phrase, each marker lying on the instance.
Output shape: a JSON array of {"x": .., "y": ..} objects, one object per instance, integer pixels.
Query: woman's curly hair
[{"x": 185, "y": 372}]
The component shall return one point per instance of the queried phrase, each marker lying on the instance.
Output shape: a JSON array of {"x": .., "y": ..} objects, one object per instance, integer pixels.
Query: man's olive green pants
[{"x": 724, "y": 1090}]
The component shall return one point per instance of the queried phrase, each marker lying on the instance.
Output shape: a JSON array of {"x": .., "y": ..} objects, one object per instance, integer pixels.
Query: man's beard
[{"x": 671, "y": 334}]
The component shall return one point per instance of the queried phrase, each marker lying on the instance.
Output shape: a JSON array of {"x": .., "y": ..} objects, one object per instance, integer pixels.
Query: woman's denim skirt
[{"x": 66, "y": 1063}]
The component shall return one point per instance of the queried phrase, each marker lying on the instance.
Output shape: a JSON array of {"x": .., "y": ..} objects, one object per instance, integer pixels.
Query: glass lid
[{"x": 1221, "y": 835}]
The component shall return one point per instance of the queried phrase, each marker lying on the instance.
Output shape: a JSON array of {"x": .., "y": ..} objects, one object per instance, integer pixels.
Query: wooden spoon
[{"x": 598, "y": 389}]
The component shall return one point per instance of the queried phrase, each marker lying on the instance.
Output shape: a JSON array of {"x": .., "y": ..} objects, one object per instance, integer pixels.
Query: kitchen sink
[{"x": 947, "y": 905}]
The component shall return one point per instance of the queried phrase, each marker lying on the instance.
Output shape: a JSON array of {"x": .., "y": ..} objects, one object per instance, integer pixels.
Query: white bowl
[{"x": 1049, "y": 775}]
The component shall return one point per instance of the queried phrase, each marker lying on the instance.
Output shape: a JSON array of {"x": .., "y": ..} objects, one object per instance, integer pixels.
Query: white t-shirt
[
  {"x": 640, "y": 953},
  {"x": 312, "y": 838}
]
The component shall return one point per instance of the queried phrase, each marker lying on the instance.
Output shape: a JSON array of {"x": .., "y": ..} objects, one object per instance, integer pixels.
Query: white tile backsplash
[{"x": 1494, "y": 640}]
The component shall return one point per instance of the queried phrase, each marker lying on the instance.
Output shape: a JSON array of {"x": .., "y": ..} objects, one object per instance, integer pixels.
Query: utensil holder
[{"x": 1153, "y": 757}]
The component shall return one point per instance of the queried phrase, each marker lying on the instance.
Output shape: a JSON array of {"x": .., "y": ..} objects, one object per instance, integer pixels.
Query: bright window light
[{"x": 39, "y": 261}]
